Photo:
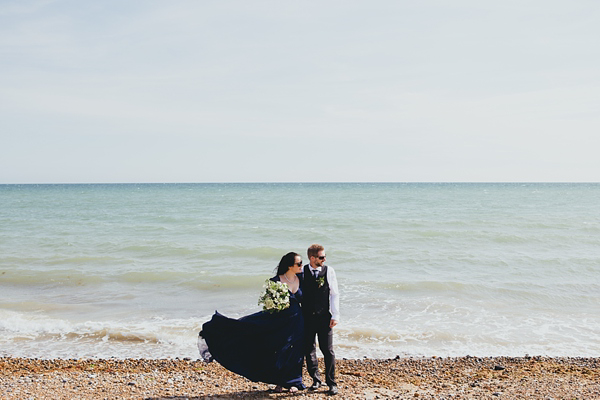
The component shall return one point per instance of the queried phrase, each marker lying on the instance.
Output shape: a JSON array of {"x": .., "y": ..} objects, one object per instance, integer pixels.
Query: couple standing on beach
[{"x": 270, "y": 346}]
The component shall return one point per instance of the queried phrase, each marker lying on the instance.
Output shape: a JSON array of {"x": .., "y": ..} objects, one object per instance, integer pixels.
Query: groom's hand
[{"x": 332, "y": 323}]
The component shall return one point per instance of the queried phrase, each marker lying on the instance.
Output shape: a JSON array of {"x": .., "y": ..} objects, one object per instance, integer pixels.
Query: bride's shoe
[{"x": 293, "y": 389}]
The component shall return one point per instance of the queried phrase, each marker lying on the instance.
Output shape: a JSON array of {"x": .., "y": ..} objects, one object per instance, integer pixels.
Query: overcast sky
[{"x": 284, "y": 91}]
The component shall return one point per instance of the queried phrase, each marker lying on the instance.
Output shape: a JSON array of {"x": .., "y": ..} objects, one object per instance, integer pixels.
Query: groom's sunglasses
[{"x": 322, "y": 257}]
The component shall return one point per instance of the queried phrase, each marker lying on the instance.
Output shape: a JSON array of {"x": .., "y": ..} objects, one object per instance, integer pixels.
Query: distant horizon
[{"x": 299, "y": 182}]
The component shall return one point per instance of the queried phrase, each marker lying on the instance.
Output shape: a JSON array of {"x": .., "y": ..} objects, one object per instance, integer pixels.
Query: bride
[{"x": 263, "y": 347}]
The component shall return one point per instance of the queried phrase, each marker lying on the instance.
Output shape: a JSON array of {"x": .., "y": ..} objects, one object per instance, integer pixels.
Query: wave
[
  {"x": 373, "y": 335},
  {"x": 545, "y": 295},
  {"x": 33, "y": 326},
  {"x": 458, "y": 335},
  {"x": 272, "y": 254},
  {"x": 62, "y": 277},
  {"x": 35, "y": 335},
  {"x": 203, "y": 280},
  {"x": 193, "y": 280}
]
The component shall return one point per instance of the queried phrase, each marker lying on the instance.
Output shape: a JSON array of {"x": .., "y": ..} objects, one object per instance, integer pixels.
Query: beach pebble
[{"x": 438, "y": 378}]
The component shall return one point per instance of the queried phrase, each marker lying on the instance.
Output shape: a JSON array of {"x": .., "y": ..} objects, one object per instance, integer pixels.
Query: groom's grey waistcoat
[{"x": 315, "y": 299}]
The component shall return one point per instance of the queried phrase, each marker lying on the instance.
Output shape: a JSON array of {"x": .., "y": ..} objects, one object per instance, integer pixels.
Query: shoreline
[{"x": 408, "y": 377}]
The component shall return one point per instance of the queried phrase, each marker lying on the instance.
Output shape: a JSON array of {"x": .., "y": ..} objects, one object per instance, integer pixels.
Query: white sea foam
[{"x": 33, "y": 335}]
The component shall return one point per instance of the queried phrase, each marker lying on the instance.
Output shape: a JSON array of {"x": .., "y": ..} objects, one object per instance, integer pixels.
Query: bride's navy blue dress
[{"x": 263, "y": 347}]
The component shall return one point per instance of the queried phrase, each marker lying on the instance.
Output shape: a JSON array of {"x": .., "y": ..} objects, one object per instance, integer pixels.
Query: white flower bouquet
[{"x": 276, "y": 296}]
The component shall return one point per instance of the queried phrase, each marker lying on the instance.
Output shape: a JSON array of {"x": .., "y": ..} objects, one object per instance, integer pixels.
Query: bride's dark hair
[{"x": 286, "y": 262}]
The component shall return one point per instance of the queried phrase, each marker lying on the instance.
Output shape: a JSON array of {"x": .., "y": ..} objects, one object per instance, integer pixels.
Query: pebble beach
[{"x": 401, "y": 378}]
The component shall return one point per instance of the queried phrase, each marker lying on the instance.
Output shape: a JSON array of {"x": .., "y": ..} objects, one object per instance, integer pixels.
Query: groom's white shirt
[{"x": 334, "y": 293}]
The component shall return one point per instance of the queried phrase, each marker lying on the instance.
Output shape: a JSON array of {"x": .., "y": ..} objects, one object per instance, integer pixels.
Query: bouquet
[{"x": 276, "y": 296}]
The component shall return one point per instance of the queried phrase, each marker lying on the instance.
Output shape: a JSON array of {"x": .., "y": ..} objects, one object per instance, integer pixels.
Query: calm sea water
[{"x": 424, "y": 269}]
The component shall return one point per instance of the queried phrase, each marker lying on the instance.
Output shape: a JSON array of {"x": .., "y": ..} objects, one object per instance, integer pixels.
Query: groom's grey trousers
[{"x": 318, "y": 326}]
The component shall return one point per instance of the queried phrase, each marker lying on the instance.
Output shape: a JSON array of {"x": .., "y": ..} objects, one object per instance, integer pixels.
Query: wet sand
[{"x": 401, "y": 378}]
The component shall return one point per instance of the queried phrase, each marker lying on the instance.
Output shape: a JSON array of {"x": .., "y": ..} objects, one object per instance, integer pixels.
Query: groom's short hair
[{"x": 314, "y": 249}]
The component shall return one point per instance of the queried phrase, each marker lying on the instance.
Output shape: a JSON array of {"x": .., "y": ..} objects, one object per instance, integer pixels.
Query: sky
[{"x": 299, "y": 91}]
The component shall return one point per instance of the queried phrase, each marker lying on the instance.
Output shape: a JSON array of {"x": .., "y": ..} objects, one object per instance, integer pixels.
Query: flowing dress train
[{"x": 263, "y": 347}]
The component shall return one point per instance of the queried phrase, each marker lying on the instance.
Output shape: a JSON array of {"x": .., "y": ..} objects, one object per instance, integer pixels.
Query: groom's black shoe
[
  {"x": 315, "y": 385},
  {"x": 333, "y": 390}
]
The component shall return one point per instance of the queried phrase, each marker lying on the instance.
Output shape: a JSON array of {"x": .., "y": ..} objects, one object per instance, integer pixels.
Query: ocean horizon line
[{"x": 305, "y": 182}]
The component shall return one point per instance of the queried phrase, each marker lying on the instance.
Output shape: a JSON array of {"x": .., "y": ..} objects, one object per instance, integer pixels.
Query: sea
[{"x": 424, "y": 269}]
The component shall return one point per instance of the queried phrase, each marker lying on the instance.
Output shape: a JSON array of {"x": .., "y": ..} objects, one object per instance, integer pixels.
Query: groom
[{"x": 320, "y": 307}]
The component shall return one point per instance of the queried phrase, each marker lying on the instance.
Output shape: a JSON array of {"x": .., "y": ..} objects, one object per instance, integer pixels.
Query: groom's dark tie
[{"x": 316, "y": 273}]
